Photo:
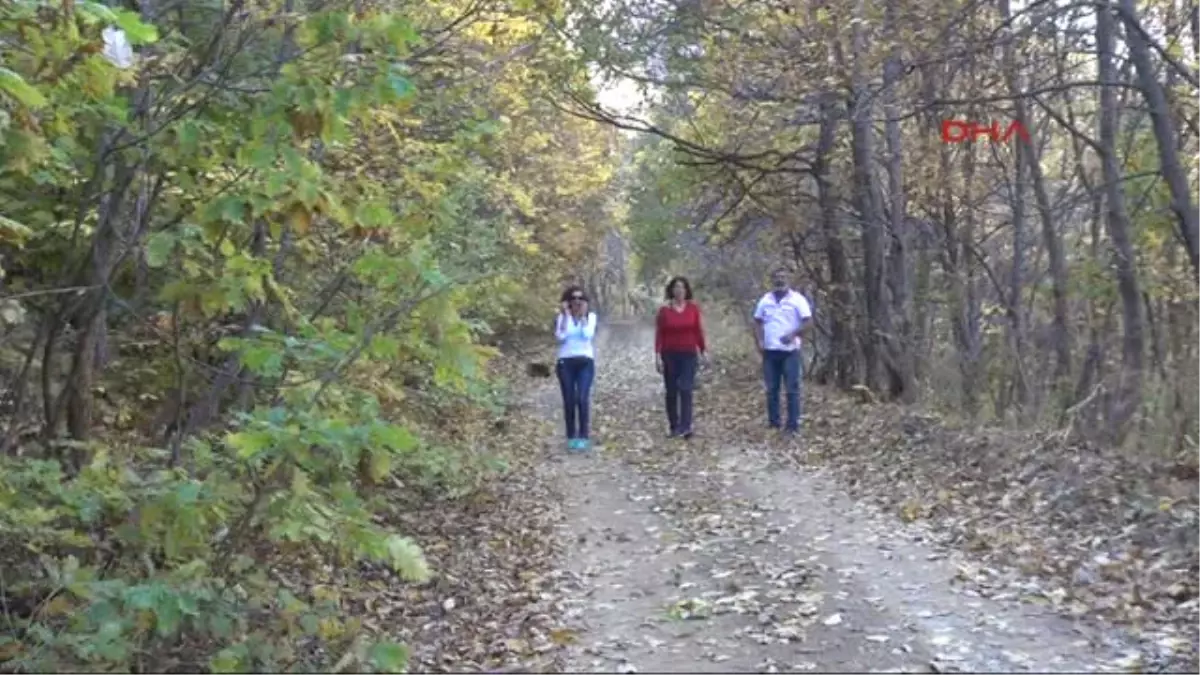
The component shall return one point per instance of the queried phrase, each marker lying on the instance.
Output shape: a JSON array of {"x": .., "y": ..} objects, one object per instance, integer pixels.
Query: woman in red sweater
[{"x": 678, "y": 341}]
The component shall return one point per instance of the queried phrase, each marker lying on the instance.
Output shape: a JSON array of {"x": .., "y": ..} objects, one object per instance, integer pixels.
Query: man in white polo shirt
[{"x": 780, "y": 318}]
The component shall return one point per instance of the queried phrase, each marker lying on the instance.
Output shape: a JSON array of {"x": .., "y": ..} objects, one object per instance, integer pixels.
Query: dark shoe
[{"x": 687, "y": 435}]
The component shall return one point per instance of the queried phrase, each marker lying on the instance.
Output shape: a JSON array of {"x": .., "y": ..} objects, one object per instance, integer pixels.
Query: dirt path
[{"x": 705, "y": 557}]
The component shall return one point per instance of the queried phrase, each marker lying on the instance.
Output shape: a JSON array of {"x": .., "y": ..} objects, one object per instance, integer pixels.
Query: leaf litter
[
  {"x": 718, "y": 542},
  {"x": 652, "y": 556},
  {"x": 1089, "y": 535}
]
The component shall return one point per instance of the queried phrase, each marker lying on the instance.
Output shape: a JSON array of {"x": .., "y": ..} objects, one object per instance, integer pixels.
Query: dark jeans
[
  {"x": 575, "y": 378},
  {"x": 785, "y": 365},
  {"x": 679, "y": 374}
]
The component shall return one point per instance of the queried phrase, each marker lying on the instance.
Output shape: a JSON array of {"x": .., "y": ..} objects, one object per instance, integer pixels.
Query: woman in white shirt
[{"x": 575, "y": 329}]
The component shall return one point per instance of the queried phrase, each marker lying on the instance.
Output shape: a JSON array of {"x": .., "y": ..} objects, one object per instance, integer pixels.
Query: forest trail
[{"x": 711, "y": 556}]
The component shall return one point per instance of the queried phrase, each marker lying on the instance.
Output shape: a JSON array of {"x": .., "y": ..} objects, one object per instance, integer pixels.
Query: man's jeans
[
  {"x": 785, "y": 365},
  {"x": 575, "y": 378}
]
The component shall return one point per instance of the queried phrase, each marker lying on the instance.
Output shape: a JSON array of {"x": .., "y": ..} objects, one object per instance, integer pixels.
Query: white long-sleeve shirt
[{"x": 575, "y": 336}]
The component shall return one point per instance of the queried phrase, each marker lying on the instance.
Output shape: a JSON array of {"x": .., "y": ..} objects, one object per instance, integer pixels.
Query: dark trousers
[
  {"x": 783, "y": 365},
  {"x": 575, "y": 378},
  {"x": 679, "y": 374}
]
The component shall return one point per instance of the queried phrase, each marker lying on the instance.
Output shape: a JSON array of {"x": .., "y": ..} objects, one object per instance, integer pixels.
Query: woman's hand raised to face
[{"x": 566, "y": 308}]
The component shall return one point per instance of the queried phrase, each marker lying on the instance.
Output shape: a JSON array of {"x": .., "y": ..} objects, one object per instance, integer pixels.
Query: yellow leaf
[
  {"x": 380, "y": 466},
  {"x": 299, "y": 219},
  {"x": 563, "y": 636},
  {"x": 59, "y": 606},
  {"x": 329, "y": 629}
]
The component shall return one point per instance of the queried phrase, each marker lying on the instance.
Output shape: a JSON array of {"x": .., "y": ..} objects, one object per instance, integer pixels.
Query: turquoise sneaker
[
  {"x": 585, "y": 445},
  {"x": 573, "y": 445}
]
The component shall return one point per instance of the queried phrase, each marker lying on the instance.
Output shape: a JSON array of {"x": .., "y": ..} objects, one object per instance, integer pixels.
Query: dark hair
[
  {"x": 687, "y": 288},
  {"x": 572, "y": 290}
]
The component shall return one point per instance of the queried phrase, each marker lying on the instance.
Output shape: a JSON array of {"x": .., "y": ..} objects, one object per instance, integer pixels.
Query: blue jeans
[
  {"x": 575, "y": 378},
  {"x": 785, "y": 365},
  {"x": 679, "y": 376}
]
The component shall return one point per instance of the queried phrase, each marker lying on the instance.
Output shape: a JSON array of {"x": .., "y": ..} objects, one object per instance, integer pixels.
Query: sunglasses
[{"x": 576, "y": 297}]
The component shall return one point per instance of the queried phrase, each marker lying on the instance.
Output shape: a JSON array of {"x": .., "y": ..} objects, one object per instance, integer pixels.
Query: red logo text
[{"x": 957, "y": 131}]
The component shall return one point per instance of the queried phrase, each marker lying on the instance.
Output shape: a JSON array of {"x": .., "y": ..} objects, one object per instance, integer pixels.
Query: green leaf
[
  {"x": 384, "y": 346},
  {"x": 189, "y": 135},
  {"x": 231, "y": 208},
  {"x": 310, "y": 623},
  {"x": 13, "y": 233},
  {"x": 221, "y": 626},
  {"x": 229, "y": 660},
  {"x": 389, "y": 657},
  {"x": 96, "y": 11},
  {"x": 141, "y": 597},
  {"x": 159, "y": 247},
  {"x": 137, "y": 32},
  {"x": 373, "y": 214},
  {"x": 250, "y": 443},
  {"x": 395, "y": 438},
  {"x": 263, "y": 360},
  {"x": 401, "y": 34},
  {"x": 400, "y": 84},
  {"x": 187, "y": 493},
  {"x": 397, "y": 77},
  {"x": 407, "y": 559},
  {"x": 188, "y": 605},
  {"x": 167, "y": 615},
  {"x": 24, "y": 93}
]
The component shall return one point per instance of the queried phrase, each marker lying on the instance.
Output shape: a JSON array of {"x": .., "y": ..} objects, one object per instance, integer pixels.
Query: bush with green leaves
[{"x": 244, "y": 264}]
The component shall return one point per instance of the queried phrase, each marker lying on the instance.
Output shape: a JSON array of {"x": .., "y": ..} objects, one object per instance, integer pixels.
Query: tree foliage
[{"x": 250, "y": 253}]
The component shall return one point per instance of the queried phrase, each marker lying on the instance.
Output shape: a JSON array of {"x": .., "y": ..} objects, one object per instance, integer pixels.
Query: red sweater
[{"x": 679, "y": 331}]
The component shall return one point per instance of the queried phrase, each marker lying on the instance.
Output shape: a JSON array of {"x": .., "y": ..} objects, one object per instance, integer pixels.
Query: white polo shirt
[{"x": 780, "y": 317}]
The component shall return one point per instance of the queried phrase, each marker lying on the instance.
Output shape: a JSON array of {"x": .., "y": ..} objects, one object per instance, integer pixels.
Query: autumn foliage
[{"x": 250, "y": 253}]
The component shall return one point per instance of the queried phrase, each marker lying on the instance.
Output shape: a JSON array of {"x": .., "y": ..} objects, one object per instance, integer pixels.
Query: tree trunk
[
  {"x": 867, "y": 200},
  {"x": 1125, "y": 398},
  {"x": 1024, "y": 152},
  {"x": 1164, "y": 133},
  {"x": 1060, "y": 329},
  {"x": 843, "y": 349},
  {"x": 902, "y": 374}
]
